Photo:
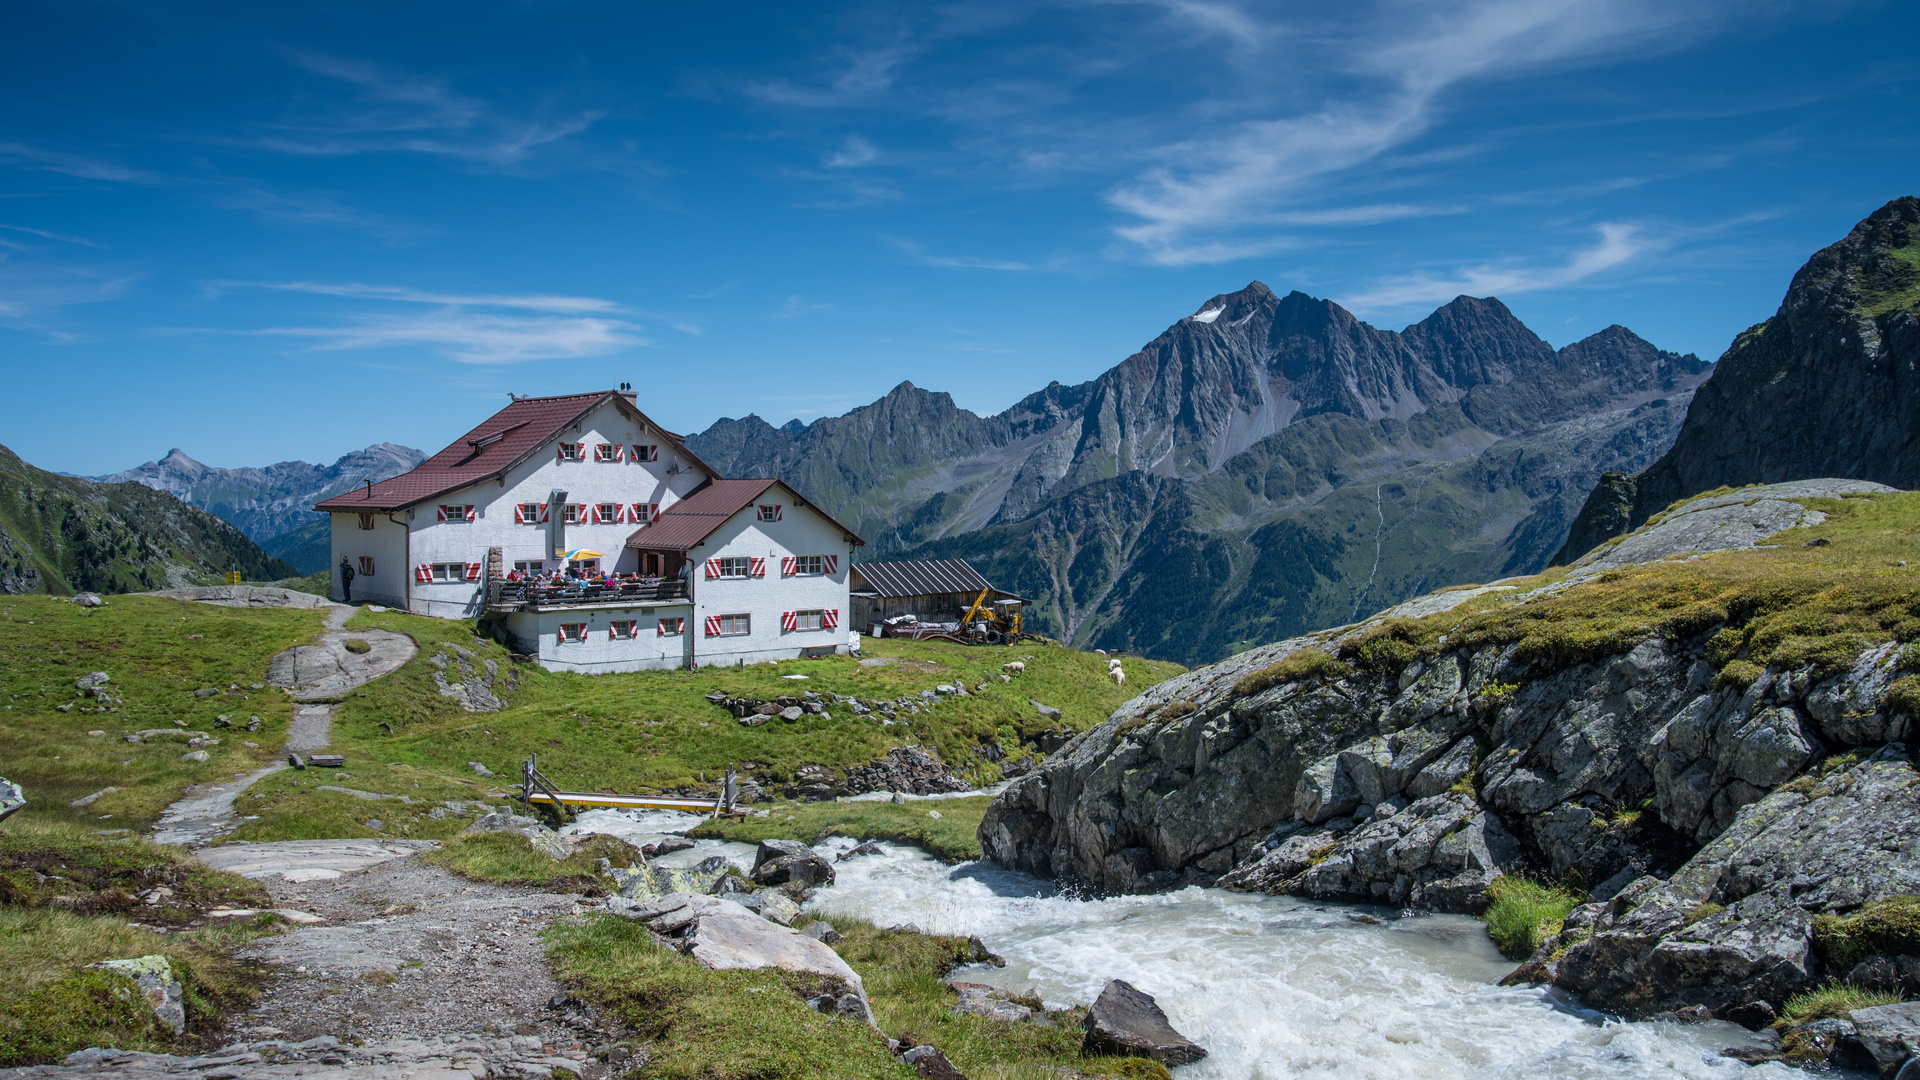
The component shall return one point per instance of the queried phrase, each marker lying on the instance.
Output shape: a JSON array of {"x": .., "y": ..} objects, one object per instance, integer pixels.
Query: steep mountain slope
[
  {"x": 64, "y": 533},
  {"x": 271, "y": 504},
  {"x": 1265, "y": 466},
  {"x": 1829, "y": 386}
]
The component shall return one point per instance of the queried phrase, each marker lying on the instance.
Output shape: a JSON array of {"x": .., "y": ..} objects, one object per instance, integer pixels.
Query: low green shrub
[
  {"x": 1301, "y": 665},
  {"x": 1890, "y": 926},
  {"x": 1525, "y": 913},
  {"x": 1704, "y": 911},
  {"x": 1123, "y": 1068},
  {"x": 358, "y": 646},
  {"x": 1832, "y": 1002}
]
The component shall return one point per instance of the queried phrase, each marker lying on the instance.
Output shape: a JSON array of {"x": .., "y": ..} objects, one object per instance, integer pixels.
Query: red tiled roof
[
  {"x": 502, "y": 441},
  {"x": 699, "y": 515}
]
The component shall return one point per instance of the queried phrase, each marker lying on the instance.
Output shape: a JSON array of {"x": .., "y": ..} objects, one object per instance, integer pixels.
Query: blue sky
[{"x": 262, "y": 231}]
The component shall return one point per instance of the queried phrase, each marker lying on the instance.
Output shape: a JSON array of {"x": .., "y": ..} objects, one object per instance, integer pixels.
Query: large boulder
[
  {"x": 1891, "y": 1033},
  {"x": 1126, "y": 1022},
  {"x": 13, "y": 798},
  {"x": 543, "y": 839},
  {"x": 1736, "y": 923},
  {"x": 158, "y": 985},
  {"x": 721, "y": 934},
  {"x": 653, "y": 882},
  {"x": 777, "y": 862}
]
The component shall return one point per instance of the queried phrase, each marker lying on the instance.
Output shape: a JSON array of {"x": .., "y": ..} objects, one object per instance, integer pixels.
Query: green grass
[
  {"x": 1525, "y": 913},
  {"x": 1832, "y": 1002},
  {"x": 1890, "y": 926},
  {"x": 1787, "y": 605},
  {"x": 952, "y": 837},
  {"x": 66, "y": 901},
  {"x": 509, "y": 859},
  {"x": 157, "y": 653},
  {"x": 1903, "y": 292},
  {"x": 735, "y": 1025},
  {"x": 1296, "y": 666},
  {"x": 654, "y": 731}
]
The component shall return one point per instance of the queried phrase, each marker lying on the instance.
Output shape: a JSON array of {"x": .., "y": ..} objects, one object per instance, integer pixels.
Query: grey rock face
[
  {"x": 1891, "y": 1033},
  {"x": 780, "y": 861},
  {"x": 1127, "y": 1022},
  {"x": 12, "y": 798},
  {"x": 1850, "y": 839},
  {"x": 910, "y": 769},
  {"x": 161, "y": 988},
  {"x": 1826, "y": 387}
]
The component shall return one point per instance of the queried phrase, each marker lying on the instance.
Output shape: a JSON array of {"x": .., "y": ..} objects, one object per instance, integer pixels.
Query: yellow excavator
[{"x": 997, "y": 623}]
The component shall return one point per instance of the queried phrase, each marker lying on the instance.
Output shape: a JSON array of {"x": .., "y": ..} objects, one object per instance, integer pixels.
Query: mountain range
[
  {"x": 273, "y": 504},
  {"x": 67, "y": 533},
  {"x": 1268, "y": 465}
]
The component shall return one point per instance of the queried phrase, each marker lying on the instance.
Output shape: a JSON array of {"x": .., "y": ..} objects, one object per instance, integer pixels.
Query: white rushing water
[{"x": 1273, "y": 987}]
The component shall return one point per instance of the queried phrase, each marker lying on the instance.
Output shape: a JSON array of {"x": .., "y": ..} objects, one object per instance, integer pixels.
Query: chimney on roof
[{"x": 627, "y": 391}]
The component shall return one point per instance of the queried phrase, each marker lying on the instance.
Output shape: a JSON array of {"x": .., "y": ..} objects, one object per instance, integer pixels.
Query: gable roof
[
  {"x": 921, "y": 577},
  {"x": 501, "y": 442},
  {"x": 698, "y": 516}
]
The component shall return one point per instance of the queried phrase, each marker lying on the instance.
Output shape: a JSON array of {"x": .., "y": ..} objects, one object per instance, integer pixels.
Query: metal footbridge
[{"x": 537, "y": 790}]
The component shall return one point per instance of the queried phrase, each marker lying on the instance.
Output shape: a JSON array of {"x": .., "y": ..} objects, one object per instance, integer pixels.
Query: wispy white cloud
[
  {"x": 920, "y": 256},
  {"x": 84, "y": 166},
  {"x": 475, "y": 337},
  {"x": 1617, "y": 245},
  {"x": 320, "y": 209},
  {"x": 61, "y": 237},
  {"x": 406, "y": 294},
  {"x": 853, "y": 152},
  {"x": 795, "y": 307}
]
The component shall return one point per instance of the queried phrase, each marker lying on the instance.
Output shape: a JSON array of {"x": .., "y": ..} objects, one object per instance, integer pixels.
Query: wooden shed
[{"x": 932, "y": 590}]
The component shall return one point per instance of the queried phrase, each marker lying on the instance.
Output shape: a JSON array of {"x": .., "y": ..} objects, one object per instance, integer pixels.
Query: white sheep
[
  {"x": 1113, "y": 662},
  {"x": 1101, "y": 652},
  {"x": 1015, "y": 667},
  {"x": 1119, "y": 676}
]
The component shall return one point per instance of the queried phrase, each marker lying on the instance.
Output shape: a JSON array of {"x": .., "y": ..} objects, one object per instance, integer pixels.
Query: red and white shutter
[
  {"x": 473, "y": 512},
  {"x": 788, "y": 565},
  {"x": 789, "y": 621},
  {"x": 423, "y": 573},
  {"x": 441, "y": 513},
  {"x": 757, "y": 568},
  {"x": 637, "y": 513},
  {"x": 519, "y": 513},
  {"x": 593, "y": 513},
  {"x": 642, "y": 452},
  {"x": 713, "y": 626},
  {"x": 619, "y": 451},
  {"x": 830, "y": 618},
  {"x": 473, "y": 571},
  {"x": 713, "y": 571},
  {"x": 660, "y": 628},
  {"x": 832, "y": 563}
]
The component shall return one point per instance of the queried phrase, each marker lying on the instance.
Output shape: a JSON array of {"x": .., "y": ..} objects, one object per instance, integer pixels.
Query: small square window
[
  {"x": 573, "y": 631},
  {"x": 528, "y": 513},
  {"x": 572, "y": 451},
  {"x": 576, "y": 513},
  {"x": 456, "y": 513},
  {"x": 366, "y": 566},
  {"x": 769, "y": 511},
  {"x": 606, "y": 451},
  {"x": 366, "y": 522},
  {"x": 623, "y": 628},
  {"x": 606, "y": 512},
  {"x": 671, "y": 627}
]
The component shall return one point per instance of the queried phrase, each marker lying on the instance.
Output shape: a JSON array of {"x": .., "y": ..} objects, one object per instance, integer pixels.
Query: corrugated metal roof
[
  {"x": 697, "y": 516},
  {"x": 502, "y": 441},
  {"x": 926, "y": 577}
]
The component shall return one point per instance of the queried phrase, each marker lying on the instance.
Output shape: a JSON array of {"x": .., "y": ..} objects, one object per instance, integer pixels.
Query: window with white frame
[
  {"x": 735, "y": 625},
  {"x": 573, "y": 631},
  {"x": 366, "y": 522},
  {"x": 606, "y": 512},
  {"x": 606, "y": 451},
  {"x": 366, "y": 566},
  {"x": 810, "y": 620},
  {"x": 809, "y": 564},
  {"x": 645, "y": 452},
  {"x": 575, "y": 512},
  {"x": 571, "y": 451},
  {"x": 735, "y": 567},
  {"x": 671, "y": 627},
  {"x": 530, "y": 566},
  {"x": 449, "y": 571},
  {"x": 769, "y": 511},
  {"x": 623, "y": 628},
  {"x": 456, "y": 513},
  {"x": 530, "y": 513}
]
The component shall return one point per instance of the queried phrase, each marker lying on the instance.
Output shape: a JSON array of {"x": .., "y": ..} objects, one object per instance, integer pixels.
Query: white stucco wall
[
  {"x": 799, "y": 532},
  {"x": 586, "y": 482},
  {"x": 386, "y": 543},
  {"x": 601, "y": 653}
]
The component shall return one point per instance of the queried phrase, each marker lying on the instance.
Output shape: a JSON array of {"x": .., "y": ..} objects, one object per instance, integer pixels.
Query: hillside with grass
[{"x": 63, "y": 534}]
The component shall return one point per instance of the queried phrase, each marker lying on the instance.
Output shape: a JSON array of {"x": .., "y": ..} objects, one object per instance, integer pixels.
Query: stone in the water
[
  {"x": 158, "y": 984},
  {"x": 1127, "y": 1022},
  {"x": 781, "y": 861},
  {"x": 666, "y": 845},
  {"x": 1891, "y": 1033}
]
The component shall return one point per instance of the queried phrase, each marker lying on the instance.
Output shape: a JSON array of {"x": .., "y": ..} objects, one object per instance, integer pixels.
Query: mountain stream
[{"x": 1273, "y": 987}]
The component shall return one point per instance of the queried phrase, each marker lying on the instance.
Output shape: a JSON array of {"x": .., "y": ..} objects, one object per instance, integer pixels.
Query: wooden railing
[{"x": 518, "y": 594}]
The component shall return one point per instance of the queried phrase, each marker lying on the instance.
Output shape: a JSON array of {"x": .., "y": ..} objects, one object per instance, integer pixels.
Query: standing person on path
[{"x": 346, "y": 581}]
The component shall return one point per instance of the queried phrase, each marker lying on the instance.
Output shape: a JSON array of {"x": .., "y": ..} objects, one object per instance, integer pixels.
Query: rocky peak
[
  {"x": 1827, "y": 387},
  {"x": 1477, "y": 342}
]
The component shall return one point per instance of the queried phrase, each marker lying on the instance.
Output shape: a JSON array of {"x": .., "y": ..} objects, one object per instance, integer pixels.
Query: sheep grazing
[
  {"x": 1119, "y": 676},
  {"x": 1113, "y": 662},
  {"x": 1100, "y": 652},
  {"x": 1015, "y": 667}
]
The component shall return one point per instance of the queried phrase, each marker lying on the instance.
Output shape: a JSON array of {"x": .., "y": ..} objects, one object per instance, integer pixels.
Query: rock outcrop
[
  {"x": 1828, "y": 386},
  {"x": 1124, "y": 1021},
  {"x": 1324, "y": 767},
  {"x": 908, "y": 769}
]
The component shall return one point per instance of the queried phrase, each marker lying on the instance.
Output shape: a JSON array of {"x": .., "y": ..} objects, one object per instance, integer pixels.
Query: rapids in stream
[{"x": 1273, "y": 987}]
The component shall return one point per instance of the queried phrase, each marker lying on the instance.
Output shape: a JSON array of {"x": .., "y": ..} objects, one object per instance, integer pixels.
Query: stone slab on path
[
  {"x": 206, "y": 814},
  {"x": 262, "y": 596},
  {"x": 329, "y": 671},
  {"x": 307, "y": 860}
]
